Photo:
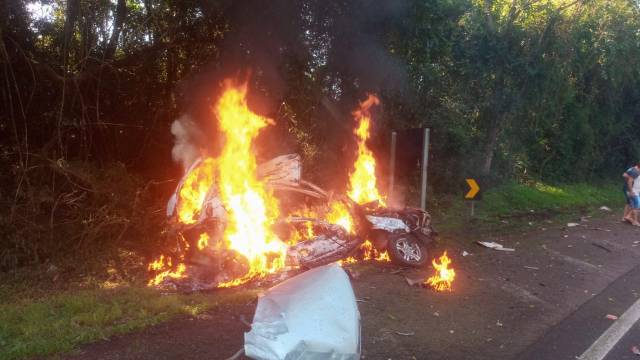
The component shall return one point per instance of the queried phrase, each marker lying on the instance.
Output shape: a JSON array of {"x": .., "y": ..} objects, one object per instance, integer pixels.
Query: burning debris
[
  {"x": 228, "y": 223},
  {"x": 444, "y": 276}
]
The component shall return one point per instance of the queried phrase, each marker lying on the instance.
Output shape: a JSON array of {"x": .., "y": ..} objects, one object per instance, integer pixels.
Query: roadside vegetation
[
  {"x": 513, "y": 206},
  {"x": 60, "y": 321}
]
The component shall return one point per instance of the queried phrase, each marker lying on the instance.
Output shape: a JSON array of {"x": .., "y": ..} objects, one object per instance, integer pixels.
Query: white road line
[{"x": 601, "y": 347}]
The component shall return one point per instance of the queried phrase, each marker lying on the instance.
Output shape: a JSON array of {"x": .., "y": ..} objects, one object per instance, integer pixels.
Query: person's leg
[
  {"x": 635, "y": 211},
  {"x": 626, "y": 216},
  {"x": 626, "y": 213}
]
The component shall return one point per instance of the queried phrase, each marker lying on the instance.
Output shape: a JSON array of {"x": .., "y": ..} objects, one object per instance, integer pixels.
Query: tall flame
[
  {"x": 194, "y": 191},
  {"x": 444, "y": 276},
  {"x": 362, "y": 181},
  {"x": 252, "y": 209}
]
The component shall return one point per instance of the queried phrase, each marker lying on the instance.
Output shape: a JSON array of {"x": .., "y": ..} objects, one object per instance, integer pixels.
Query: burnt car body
[{"x": 405, "y": 233}]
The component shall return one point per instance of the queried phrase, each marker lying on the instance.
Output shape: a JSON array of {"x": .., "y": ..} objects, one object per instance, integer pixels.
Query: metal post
[
  {"x": 392, "y": 164},
  {"x": 473, "y": 208},
  {"x": 425, "y": 164}
]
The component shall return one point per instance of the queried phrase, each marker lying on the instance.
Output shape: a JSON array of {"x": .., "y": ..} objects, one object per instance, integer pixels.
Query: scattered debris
[
  {"x": 204, "y": 317},
  {"x": 363, "y": 299},
  {"x": 601, "y": 247},
  {"x": 314, "y": 313},
  {"x": 565, "y": 236},
  {"x": 605, "y": 208},
  {"x": 409, "y": 333},
  {"x": 451, "y": 331},
  {"x": 465, "y": 253},
  {"x": 444, "y": 275},
  {"x": 494, "y": 246},
  {"x": 572, "y": 224},
  {"x": 436, "y": 314},
  {"x": 635, "y": 350},
  {"x": 396, "y": 271},
  {"x": 611, "y": 317},
  {"x": 599, "y": 229},
  {"x": 532, "y": 267},
  {"x": 498, "y": 323},
  {"x": 390, "y": 316},
  {"x": 413, "y": 282}
]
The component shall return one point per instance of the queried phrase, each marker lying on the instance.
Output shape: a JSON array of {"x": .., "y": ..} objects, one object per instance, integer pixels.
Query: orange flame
[
  {"x": 369, "y": 252},
  {"x": 252, "y": 209},
  {"x": 194, "y": 191},
  {"x": 444, "y": 276},
  {"x": 165, "y": 267},
  {"x": 362, "y": 181},
  {"x": 203, "y": 241},
  {"x": 349, "y": 260},
  {"x": 339, "y": 214}
]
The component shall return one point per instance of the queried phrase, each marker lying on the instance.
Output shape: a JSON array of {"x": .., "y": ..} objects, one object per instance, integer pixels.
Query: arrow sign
[{"x": 473, "y": 189}]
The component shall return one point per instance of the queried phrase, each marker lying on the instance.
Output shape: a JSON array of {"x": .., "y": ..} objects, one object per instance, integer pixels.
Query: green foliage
[
  {"x": 60, "y": 322},
  {"x": 514, "y": 198},
  {"x": 512, "y": 205}
]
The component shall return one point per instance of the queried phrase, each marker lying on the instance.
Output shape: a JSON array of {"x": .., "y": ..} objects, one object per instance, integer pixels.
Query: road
[{"x": 547, "y": 300}]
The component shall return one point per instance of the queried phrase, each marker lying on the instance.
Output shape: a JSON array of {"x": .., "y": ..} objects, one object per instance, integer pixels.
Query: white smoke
[{"x": 185, "y": 151}]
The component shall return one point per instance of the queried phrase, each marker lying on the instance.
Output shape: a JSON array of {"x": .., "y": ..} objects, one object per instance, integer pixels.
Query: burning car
[
  {"x": 227, "y": 215},
  {"x": 344, "y": 230}
]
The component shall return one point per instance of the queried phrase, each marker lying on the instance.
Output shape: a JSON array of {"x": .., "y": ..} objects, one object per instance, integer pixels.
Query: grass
[
  {"x": 515, "y": 205},
  {"x": 60, "y": 322}
]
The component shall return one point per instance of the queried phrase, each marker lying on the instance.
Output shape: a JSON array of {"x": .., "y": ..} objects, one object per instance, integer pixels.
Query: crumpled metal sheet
[
  {"x": 312, "y": 316},
  {"x": 390, "y": 224},
  {"x": 331, "y": 245}
]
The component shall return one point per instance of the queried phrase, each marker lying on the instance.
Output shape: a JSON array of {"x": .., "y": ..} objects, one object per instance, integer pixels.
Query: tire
[{"x": 406, "y": 249}]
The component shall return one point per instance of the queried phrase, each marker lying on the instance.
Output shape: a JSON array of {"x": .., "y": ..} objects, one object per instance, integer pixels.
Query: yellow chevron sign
[{"x": 474, "y": 188}]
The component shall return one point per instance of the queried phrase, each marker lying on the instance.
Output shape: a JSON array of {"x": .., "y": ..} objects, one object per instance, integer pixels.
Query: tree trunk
[
  {"x": 490, "y": 145},
  {"x": 71, "y": 15},
  {"x": 120, "y": 15}
]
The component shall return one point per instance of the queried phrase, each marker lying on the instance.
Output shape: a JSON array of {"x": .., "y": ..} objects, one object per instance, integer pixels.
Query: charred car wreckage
[{"x": 320, "y": 237}]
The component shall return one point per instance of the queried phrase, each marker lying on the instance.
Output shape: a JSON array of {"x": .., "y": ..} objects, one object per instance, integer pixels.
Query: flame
[
  {"x": 252, "y": 209},
  {"x": 165, "y": 268},
  {"x": 349, "y": 260},
  {"x": 339, "y": 214},
  {"x": 444, "y": 276},
  {"x": 369, "y": 252},
  {"x": 194, "y": 191},
  {"x": 203, "y": 241},
  {"x": 362, "y": 181}
]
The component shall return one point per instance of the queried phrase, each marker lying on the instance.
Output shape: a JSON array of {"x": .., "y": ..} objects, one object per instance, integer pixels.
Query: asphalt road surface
[{"x": 549, "y": 299}]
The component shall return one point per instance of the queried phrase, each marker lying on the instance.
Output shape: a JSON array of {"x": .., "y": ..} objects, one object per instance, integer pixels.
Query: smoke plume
[{"x": 186, "y": 133}]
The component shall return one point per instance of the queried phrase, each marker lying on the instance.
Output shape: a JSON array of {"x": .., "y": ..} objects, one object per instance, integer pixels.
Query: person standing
[{"x": 632, "y": 193}]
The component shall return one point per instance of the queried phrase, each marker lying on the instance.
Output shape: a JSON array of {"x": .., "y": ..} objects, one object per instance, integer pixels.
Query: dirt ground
[{"x": 501, "y": 303}]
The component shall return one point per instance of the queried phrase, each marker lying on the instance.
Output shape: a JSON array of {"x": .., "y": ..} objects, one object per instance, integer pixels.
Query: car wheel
[{"x": 406, "y": 249}]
